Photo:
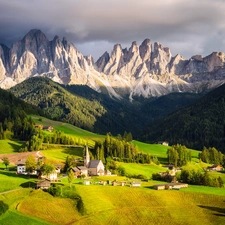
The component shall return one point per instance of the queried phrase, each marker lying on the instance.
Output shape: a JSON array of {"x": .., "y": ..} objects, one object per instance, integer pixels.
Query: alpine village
[{"x": 137, "y": 137}]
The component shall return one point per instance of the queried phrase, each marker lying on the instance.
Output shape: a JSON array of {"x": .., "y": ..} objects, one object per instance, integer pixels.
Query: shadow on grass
[
  {"x": 29, "y": 184},
  {"x": 149, "y": 187},
  {"x": 75, "y": 151},
  {"x": 221, "y": 171},
  {"x": 163, "y": 160},
  {"x": 15, "y": 147},
  {"x": 220, "y": 211},
  {"x": 14, "y": 174}
]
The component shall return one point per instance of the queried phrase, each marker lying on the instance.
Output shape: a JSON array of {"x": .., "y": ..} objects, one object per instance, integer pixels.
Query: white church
[{"x": 91, "y": 167}]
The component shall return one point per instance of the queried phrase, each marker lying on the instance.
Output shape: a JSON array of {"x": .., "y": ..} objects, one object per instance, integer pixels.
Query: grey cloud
[{"x": 185, "y": 26}]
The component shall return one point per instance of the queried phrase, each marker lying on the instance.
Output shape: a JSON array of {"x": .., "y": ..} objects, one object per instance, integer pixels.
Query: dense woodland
[
  {"x": 97, "y": 112},
  {"x": 201, "y": 124},
  {"x": 14, "y": 122}
]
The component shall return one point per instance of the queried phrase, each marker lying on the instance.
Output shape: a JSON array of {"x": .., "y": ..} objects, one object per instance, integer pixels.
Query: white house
[
  {"x": 21, "y": 166},
  {"x": 52, "y": 176}
]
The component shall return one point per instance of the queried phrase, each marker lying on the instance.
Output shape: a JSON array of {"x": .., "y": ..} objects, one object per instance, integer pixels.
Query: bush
[{"x": 3, "y": 207}]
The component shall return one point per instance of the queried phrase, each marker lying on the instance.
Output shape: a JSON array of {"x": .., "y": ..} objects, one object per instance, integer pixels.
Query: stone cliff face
[{"x": 146, "y": 70}]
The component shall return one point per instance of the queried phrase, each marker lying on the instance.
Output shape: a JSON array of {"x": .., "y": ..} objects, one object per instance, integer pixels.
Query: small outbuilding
[
  {"x": 169, "y": 186},
  {"x": 43, "y": 184},
  {"x": 87, "y": 182},
  {"x": 135, "y": 184}
]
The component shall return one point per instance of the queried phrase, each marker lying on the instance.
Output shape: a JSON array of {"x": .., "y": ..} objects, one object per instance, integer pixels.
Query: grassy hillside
[
  {"x": 9, "y": 146},
  {"x": 109, "y": 205},
  {"x": 115, "y": 205}
]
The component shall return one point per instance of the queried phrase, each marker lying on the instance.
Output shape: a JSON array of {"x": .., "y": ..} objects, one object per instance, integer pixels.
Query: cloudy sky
[{"x": 188, "y": 27}]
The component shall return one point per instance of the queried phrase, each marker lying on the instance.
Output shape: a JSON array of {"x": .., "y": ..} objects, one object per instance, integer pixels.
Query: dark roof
[
  {"x": 21, "y": 162},
  {"x": 43, "y": 183},
  {"x": 75, "y": 169},
  {"x": 82, "y": 167},
  {"x": 94, "y": 163}
]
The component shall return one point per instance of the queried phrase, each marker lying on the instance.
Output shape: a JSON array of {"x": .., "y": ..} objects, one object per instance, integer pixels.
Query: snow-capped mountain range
[{"x": 146, "y": 70}]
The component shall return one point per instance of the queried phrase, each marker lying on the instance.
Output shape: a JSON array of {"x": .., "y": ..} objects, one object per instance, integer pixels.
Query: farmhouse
[
  {"x": 165, "y": 143},
  {"x": 215, "y": 167},
  {"x": 21, "y": 167},
  {"x": 48, "y": 128},
  {"x": 52, "y": 176}
]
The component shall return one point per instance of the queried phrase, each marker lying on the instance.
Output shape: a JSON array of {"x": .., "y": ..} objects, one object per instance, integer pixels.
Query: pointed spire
[{"x": 86, "y": 157}]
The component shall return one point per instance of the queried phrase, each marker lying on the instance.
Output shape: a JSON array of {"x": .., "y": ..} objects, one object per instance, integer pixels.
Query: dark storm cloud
[{"x": 187, "y": 27}]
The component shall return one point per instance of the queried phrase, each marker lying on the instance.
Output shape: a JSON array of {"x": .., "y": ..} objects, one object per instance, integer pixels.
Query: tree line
[
  {"x": 120, "y": 149},
  {"x": 212, "y": 155},
  {"x": 178, "y": 155}
]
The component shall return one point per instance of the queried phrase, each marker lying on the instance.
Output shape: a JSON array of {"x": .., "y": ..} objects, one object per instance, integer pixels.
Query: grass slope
[
  {"x": 9, "y": 146},
  {"x": 124, "y": 205}
]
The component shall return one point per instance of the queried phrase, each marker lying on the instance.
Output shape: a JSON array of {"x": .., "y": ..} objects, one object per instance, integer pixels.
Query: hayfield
[
  {"x": 125, "y": 205},
  {"x": 14, "y": 217},
  {"x": 52, "y": 209}
]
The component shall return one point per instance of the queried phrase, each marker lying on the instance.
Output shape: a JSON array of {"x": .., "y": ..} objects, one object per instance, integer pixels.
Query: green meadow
[
  {"x": 68, "y": 129},
  {"x": 59, "y": 153},
  {"x": 144, "y": 169},
  {"x": 9, "y": 146}
]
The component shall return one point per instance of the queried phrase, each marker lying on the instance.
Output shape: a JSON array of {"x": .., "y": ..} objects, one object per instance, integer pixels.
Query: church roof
[
  {"x": 82, "y": 167},
  {"x": 94, "y": 163}
]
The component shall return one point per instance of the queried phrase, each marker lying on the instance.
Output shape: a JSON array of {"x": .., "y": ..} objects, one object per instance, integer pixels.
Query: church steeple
[{"x": 86, "y": 157}]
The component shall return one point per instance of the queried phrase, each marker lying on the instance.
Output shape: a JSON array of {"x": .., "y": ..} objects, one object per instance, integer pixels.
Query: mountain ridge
[{"x": 147, "y": 70}]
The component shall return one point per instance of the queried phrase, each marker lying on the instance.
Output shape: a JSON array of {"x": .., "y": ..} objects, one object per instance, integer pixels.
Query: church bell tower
[{"x": 86, "y": 157}]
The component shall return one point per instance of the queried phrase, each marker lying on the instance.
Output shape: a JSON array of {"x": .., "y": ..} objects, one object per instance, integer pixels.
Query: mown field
[{"x": 125, "y": 205}]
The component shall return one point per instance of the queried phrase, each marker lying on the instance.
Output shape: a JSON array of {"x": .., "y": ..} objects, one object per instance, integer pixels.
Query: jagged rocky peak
[
  {"x": 161, "y": 58},
  {"x": 34, "y": 39},
  {"x": 102, "y": 61},
  {"x": 117, "y": 51},
  {"x": 90, "y": 60},
  {"x": 134, "y": 47},
  {"x": 145, "y": 49}
]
